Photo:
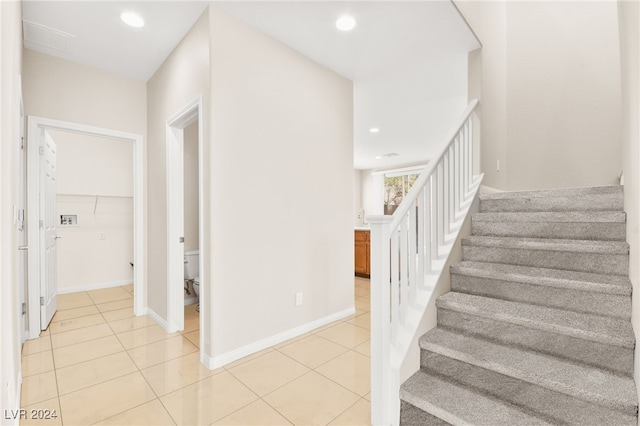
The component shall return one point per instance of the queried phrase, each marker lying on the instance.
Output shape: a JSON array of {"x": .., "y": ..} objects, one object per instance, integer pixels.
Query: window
[{"x": 395, "y": 189}]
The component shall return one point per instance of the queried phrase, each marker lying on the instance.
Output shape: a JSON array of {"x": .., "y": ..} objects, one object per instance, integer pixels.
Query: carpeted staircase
[{"x": 536, "y": 329}]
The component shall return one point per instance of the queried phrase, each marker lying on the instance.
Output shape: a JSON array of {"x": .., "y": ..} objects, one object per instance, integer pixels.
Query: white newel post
[{"x": 382, "y": 401}]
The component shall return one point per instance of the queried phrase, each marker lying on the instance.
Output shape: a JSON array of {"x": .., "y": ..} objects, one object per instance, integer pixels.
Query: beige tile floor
[{"x": 98, "y": 364}]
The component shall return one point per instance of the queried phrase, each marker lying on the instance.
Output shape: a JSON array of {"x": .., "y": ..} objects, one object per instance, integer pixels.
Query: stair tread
[
  {"x": 588, "y": 383},
  {"x": 433, "y": 395},
  {"x": 607, "y": 330},
  {"x": 560, "y": 217},
  {"x": 558, "y": 408},
  {"x": 561, "y": 192},
  {"x": 582, "y": 246},
  {"x": 585, "y": 281}
]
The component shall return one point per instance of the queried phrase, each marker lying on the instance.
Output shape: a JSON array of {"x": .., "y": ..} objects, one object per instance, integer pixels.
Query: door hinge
[
  {"x": 182, "y": 239},
  {"x": 41, "y": 224},
  {"x": 21, "y": 142},
  {"x": 41, "y": 301},
  {"x": 41, "y": 150},
  {"x": 24, "y": 308}
]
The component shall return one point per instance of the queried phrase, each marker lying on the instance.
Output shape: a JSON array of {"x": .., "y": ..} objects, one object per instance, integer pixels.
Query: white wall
[
  {"x": 95, "y": 253},
  {"x": 62, "y": 90},
  {"x": 282, "y": 196},
  {"x": 550, "y": 92},
  {"x": 88, "y": 165},
  {"x": 372, "y": 192},
  {"x": 629, "y": 15},
  {"x": 182, "y": 77},
  {"x": 10, "y": 330},
  {"x": 191, "y": 202}
]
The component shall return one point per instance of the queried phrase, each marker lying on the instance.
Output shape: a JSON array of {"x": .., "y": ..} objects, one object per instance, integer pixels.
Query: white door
[
  {"x": 22, "y": 234},
  {"x": 48, "y": 233}
]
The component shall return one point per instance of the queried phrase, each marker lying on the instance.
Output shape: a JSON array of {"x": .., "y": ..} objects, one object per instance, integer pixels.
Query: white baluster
[
  {"x": 395, "y": 285},
  {"x": 445, "y": 196},
  {"x": 404, "y": 269},
  {"x": 422, "y": 247},
  {"x": 414, "y": 251}
]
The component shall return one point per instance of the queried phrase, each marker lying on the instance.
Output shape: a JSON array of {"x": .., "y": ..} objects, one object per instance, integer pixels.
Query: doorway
[
  {"x": 40, "y": 287},
  {"x": 190, "y": 115}
]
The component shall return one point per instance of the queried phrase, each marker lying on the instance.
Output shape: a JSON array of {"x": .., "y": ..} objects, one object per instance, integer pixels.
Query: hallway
[{"x": 98, "y": 364}]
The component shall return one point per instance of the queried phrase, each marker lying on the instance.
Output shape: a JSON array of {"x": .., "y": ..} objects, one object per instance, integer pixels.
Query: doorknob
[
  {"x": 23, "y": 247},
  {"x": 182, "y": 239},
  {"x": 57, "y": 236}
]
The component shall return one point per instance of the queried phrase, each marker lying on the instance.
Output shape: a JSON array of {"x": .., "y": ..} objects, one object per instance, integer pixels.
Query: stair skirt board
[{"x": 536, "y": 328}]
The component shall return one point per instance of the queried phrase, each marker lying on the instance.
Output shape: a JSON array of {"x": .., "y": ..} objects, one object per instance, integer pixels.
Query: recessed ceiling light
[
  {"x": 132, "y": 19},
  {"x": 374, "y": 130},
  {"x": 345, "y": 23},
  {"x": 389, "y": 155}
]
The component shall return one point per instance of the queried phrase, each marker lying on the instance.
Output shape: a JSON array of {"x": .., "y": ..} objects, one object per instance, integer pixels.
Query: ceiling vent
[{"x": 42, "y": 36}]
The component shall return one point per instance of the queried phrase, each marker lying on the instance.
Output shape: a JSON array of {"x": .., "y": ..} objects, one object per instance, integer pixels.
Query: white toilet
[{"x": 192, "y": 268}]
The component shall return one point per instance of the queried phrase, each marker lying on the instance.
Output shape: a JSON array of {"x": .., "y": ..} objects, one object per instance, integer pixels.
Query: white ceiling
[
  {"x": 407, "y": 59},
  {"x": 101, "y": 40}
]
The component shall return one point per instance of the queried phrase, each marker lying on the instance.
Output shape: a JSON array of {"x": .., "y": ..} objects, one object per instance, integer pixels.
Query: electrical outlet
[
  {"x": 299, "y": 299},
  {"x": 101, "y": 237}
]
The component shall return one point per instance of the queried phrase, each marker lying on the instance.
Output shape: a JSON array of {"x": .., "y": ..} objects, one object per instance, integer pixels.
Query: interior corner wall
[
  {"x": 487, "y": 75},
  {"x": 550, "y": 92},
  {"x": 282, "y": 172},
  {"x": 629, "y": 20},
  {"x": 182, "y": 77},
  {"x": 10, "y": 329}
]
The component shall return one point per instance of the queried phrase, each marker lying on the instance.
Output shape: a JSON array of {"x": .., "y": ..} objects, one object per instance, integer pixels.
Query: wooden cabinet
[{"x": 362, "y": 259}]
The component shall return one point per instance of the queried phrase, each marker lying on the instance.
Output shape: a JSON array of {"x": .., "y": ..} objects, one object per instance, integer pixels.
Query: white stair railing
[{"x": 408, "y": 254}]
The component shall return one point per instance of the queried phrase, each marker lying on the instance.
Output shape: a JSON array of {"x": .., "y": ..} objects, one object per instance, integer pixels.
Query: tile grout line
[
  {"x": 55, "y": 375},
  {"x": 104, "y": 381},
  {"x": 139, "y": 370},
  {"x": 259, "y": 398}
]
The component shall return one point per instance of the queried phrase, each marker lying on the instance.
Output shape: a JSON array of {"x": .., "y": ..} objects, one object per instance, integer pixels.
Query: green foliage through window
[{"x": 396, "y": 187}]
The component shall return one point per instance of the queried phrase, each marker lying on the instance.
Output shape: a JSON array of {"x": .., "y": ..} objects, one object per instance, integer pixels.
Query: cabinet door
[
  {"x": 362, "y": 257},
  {"x": 362, "y": 253}
]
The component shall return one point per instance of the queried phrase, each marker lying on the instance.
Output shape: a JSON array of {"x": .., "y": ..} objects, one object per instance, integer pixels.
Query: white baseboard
[
  {"x": 157, "y": 318},
  {"x": 96, "y": 286},
  {"x": 489, "y": 190},
  {"x": 236, "y": 354}
]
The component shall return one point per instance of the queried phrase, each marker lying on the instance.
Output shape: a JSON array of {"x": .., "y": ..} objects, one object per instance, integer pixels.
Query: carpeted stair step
[
  {"x": 608, "y": 295},
  {"x": 588, "y": 225},
  {"x": 602, "y": 342},
  {"x": 603, "y": 257},
  {"x": 411, "y": 415},
  {"x": 594, "y": 385},
  {"x": 555, "y": 407},
  {"x": 604, "y": 198},
  {"x": 457, "y": 405}
]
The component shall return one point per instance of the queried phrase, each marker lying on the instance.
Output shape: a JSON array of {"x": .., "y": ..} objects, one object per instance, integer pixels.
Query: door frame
[
  {"x": 175, "y": 126},
  {"x": 23, "y": 243},
  {"x": 36, "y": 128}
]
